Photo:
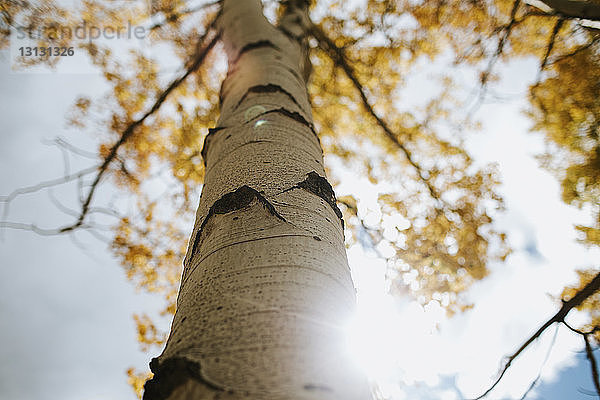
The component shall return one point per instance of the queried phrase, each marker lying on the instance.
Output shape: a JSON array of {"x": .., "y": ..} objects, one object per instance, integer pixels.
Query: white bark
[{"x": 266, "y": 288}]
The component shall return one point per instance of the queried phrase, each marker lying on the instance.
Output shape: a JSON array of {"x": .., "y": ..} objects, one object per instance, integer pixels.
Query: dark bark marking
[
  {"x": 291, "y": 114},
  {"x": 207, "y": 139},
  {"x": 319, "y": 186},
  {"x": 255, "y": 45},
  {"x": 296, "y": 74},
  {"x": 221, "y": 95},
  {"x": 232, "y": 201},
  {"x": 314, "y": 387},
  {"x": 290, "y": 35},
  {"x": 269, "y": 88},
  {"x": 172, "y": 373}
]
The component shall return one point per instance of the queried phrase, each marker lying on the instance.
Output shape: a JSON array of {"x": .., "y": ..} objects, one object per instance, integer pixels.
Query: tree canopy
[{"x": 436, "y": 205}]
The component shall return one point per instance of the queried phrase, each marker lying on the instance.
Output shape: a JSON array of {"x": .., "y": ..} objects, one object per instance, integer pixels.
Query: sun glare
[{"x": 391, "y": 339}]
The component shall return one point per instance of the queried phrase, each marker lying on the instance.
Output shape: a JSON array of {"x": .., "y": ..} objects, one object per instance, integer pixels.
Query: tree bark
[
  {"x": 266, "y": 289},
  {"x": 584, "y": 9}
]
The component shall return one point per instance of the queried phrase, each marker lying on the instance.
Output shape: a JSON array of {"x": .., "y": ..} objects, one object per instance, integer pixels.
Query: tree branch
[
  {"x": 202, "y": 49},
  {"x": 128, "y": 132},
  {"x": 45, "y": 184},
  {"x": 594, "y": 367},
  {"x": 175, "y": 16},
  {"x": 551, "y": 42},
  {"x": 485, "y": 75},
  {"x": 589, "y": 352},
  {"x": 567, "y": 306},
  {"x": 575, "y": 8},
  {"x": 537, "y": 378},
  {"x": 338, "y": 56}
]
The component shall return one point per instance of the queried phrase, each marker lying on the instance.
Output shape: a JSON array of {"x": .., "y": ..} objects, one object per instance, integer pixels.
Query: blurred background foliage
[{"x": 436, "y": 206}]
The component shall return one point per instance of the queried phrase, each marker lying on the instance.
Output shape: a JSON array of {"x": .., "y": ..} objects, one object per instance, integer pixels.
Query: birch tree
[{"x": 265, "y": 286}]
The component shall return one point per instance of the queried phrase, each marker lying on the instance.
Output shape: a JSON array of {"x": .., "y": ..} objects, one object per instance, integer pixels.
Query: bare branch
[
  {"x": 555, "y": 31},
  {"x": 575, "y": 9},
  {"x": 58, "y": 141},
  {"x": 594, "y": 330},
  {"x": 505, "y": 31},
  {"x": 34, "y": 228},
  {"x": 42, "y": 185},
  {"x": 589, "y": 352},
  {"x": 594, "y": 367},
  {"x": 205, "y": 44},
  {"x": 46, "y": 184},
  {"x": 567, "y": 306},
  {"x": 537, "y": 378},
  {"x": 112, "y": 155}
]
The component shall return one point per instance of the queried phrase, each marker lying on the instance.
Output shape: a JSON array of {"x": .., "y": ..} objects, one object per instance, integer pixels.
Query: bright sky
[
  {"x": 65, "y": 311},
  {"x": 397, "y": 341}
]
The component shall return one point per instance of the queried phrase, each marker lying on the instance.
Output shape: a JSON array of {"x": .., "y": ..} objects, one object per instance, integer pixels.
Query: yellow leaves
[
  {"x": 79, "y": 112},
  {"x": 137, "y": 379},
  {"x": 566, "y": 109},
  {"x": 150, "y": 250},
  {"x": 447, "y": 240},
  {"x": 43, "y": 23},
  {"x": 445, "y": 244},
  {"x": 591, "y": 236},
  {"x": 147, "y": 333},
  {"x": 83, "y": 104},
  {"x": 591, "y": 305}
]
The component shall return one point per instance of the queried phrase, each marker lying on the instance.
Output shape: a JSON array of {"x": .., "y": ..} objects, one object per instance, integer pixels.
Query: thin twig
[
  {"x": 128, "y": 132},
  {"x": 589, "y": 352},
  {"x": 567, "y": 306},
  {"x": 58, "y": 141},
  {"x": 194, "y": 63},
  {"x": 550, "y": 46},
  {"x": 485, "y": 75},
  {"x": 36, "y": 229},
  {"x": 594, "y": 367},
  {"x": 42, "y": 185},
  {"x": 45, "y": 184},
  {"x": 537, "y": 378}
]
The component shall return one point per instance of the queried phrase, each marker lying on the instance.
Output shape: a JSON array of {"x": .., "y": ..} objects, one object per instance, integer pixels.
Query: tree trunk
[
  {"x": 585, "y": 9},
  {"x": 266, "y": 288}
]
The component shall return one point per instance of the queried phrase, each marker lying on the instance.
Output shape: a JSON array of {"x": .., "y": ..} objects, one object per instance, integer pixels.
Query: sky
[
  {"x": 66, "y": 307},
  {"x": 65, "y": 312},
  {"x": 461, "y": 357}
]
